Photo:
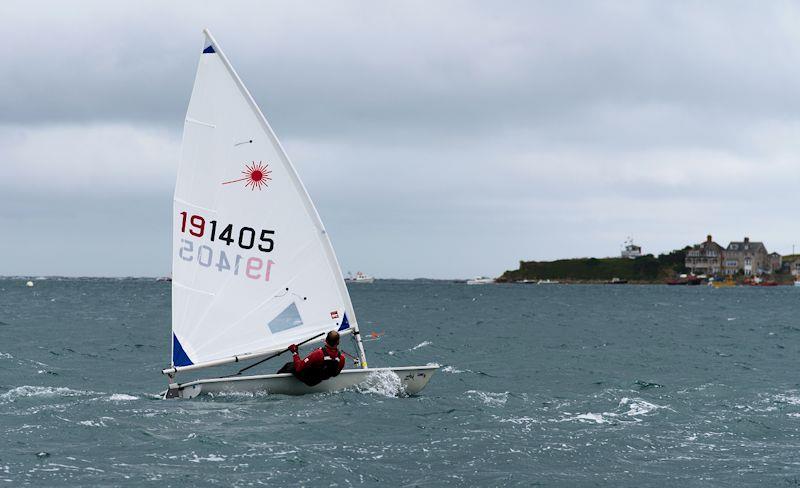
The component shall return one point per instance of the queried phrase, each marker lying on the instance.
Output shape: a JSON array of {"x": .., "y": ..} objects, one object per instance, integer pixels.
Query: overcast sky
[{"x": 438, "y": 139}]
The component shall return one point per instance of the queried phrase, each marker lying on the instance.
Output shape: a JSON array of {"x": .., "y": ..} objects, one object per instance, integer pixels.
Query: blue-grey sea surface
[{"x": 546, "y": 385}]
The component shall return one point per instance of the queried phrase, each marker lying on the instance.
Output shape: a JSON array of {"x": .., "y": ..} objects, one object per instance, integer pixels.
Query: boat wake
[
  {"x": 121, "y": 397},
  {"x": 41, "y": 391}
]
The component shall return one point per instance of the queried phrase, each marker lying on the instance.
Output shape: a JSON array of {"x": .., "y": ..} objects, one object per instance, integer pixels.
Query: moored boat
[
  {"x": 360, "y": 278},
  {"x": 480, "y": 280},
  {"x": 685, "y": 280},
  {"x": 727, "y": 283}
]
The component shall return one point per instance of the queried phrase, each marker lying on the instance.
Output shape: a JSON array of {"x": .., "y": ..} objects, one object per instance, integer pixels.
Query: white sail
[{"x": 253, "y": 269}]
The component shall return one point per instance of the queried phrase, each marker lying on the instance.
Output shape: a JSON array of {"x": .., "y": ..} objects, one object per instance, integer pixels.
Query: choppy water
[{"x": 541, "y": 385}]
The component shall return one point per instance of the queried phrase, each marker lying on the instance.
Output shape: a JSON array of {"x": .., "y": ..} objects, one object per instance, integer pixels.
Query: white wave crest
[
  {"x": 41, "y": 391},
  {"x": 490, "y": 398},
  {"x": 789, "y": 399},
  {"x": 592, "y": 417},
  {"x": 520, "y": 420},
  {"x": 637, "y": 406},
  {"x": 213, "y": 458},
  {"x": 421, "y": 344},
  {"x": 5, "y": 355},
  {"x": 121, "y": 397},
  {"x": 383, "y": 382},
  {"x": 597, "y": 418},
  {"x": 95, "y": 423},
  {"x": 451, "y": 369}
]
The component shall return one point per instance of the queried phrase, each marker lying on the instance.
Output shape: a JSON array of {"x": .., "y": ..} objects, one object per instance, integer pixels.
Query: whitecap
[
  {"x": 421, "y": 344},
  {"x": 591, "y": 417},
  {"x": 788, "y": 399},
  {"x": 5, "y": 355},
  {"x": 121, "y": 397},
  {"x": 520, "y": 420},
  {"x": 214, "y": 458},
  {"x": 490, "y": 398},
  {"x": 92, "y": 423},
  {"x": 451, "y": 369},
  {"x": 637, "y": 406},
  {"x": 41, "y": 391},
  {"x": 597, "y": 418}
]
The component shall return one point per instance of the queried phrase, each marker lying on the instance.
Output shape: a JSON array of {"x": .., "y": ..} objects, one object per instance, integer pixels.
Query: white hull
[
  {"x": 412, "y": 378},
  {"x": 362, "y": 280}
]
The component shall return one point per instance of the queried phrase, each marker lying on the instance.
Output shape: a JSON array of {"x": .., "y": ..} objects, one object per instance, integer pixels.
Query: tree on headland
[{"x": 646, "y": 268}]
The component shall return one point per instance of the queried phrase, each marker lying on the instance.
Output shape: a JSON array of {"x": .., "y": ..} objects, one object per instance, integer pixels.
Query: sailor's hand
[{"x": 293, "y": 348}]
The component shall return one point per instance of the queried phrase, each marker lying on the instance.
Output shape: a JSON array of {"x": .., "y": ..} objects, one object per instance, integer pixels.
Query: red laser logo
[{"x": 256, "y": 176}]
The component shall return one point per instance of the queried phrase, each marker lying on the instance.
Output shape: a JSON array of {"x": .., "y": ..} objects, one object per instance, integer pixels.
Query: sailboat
[{"x": 253, "y": 269}]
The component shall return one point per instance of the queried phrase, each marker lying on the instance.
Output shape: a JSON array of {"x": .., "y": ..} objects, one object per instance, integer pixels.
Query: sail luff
[{"x": 312, "y": 210}]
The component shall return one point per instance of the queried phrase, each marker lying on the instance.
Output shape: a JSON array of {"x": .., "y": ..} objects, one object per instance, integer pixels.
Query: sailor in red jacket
[{"x": 323, "y": 363}]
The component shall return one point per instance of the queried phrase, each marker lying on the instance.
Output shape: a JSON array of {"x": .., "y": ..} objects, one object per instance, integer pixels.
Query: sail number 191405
[{"x": 197, "y": 226}]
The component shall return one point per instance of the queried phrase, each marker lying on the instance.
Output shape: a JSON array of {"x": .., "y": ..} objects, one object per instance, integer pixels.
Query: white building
[{"x": 631, "y": 250}]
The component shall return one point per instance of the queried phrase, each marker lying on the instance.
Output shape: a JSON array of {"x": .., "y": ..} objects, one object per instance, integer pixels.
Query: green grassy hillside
[{"x": 645, "y": 268}]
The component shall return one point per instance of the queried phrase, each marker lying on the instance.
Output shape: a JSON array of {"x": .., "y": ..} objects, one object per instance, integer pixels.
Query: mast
[{"x": 362, "y": 356}]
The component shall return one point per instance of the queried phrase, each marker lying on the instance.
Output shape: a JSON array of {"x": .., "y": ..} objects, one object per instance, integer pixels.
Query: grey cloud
[
  {"x": 475, "y": 133},
  {"x": 409, "y": 67}
]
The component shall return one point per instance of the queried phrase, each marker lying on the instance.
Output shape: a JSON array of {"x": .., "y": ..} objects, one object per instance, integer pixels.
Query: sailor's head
[{"x": 332, "y": 339}]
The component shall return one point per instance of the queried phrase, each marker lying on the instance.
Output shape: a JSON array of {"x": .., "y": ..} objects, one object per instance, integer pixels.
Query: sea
[{"x": 539, "y": 385}]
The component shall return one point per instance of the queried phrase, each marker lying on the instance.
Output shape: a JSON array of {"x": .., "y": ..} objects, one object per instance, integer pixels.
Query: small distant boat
[
  {"x": 547, "y": 282},
  {"x": 685, "y": 280},
  {"x": 617, "y": 281},
  {"x": 728, "y": 283},
  {"x": 526, "y": 282},
  {"x": 360, "y": 278},
  {"x": 480, "y": 280},
  {"x": 167, "y": 279},
  {"x": 760, "y": 282}
]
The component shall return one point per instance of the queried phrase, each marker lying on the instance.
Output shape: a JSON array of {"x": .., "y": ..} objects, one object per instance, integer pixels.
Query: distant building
[
  {"x": 792, "y": 265},
  {"x": 631, "y": 251},
  {"x": 745, "y": 257},
  {"x": 705, "y": 258},
  {"x": 750, "y": 258},
  {"x": 775, "y": 262}
]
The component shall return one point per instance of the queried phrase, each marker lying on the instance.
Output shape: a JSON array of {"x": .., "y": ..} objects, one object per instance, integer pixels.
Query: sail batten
[{"x": 253, "y": 268}]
